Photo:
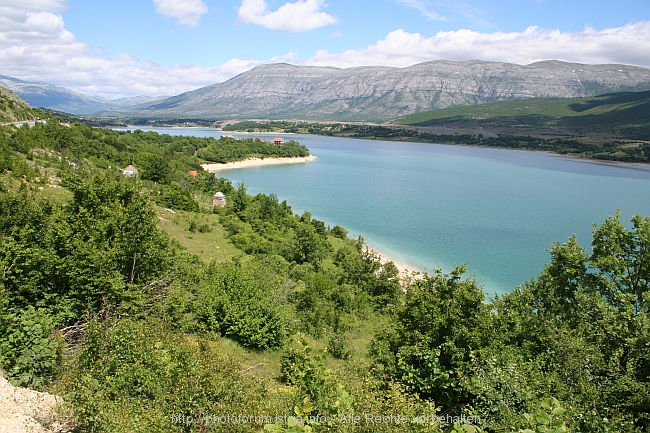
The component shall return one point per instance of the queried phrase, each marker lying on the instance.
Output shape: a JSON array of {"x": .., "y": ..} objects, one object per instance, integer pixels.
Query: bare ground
[{"x": 27, "y": 411}]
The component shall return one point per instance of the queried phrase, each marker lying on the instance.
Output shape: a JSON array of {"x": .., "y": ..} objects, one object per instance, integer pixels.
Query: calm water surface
[{"x": 430, "y": 205}]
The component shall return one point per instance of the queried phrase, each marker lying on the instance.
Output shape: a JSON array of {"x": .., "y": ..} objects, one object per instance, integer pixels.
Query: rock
[{"x": 27, "y": 411}]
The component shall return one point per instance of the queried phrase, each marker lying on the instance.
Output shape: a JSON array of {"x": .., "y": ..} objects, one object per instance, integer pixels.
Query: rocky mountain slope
[
  {"x": 45, "y": 95},
  {"x": 12, "y": 108},
  {"x": 377, "y": 93}
]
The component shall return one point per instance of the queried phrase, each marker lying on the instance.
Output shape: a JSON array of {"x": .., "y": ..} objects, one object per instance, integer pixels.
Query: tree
[
  {"x": 240, "y": 199},
  {"x": 176, "y": 197},
  {"x": 153, "y": 167},
  {"x": 435, "y": 333},
  {"x": 623, "y": 258},
  {"x": 76, "y": 259},
  {"x": 586, "y": 320},
  {"x": 309, "y": 245}
]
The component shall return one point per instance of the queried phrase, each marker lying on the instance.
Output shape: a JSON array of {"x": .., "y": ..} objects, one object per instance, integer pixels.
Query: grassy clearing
[{"x": 200, "y": 233}]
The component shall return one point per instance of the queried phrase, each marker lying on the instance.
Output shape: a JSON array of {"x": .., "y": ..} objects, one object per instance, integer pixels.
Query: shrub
[
  {"x": 175, "y": 197},
  {"x": 29, "y": 350},
  {"x": 233, "y": 304},
  {"x": 303, "y": 367},
  {"x": 339, "y": 232},
  {"x": 140, "y": 376},
  {"x": 339, "y": 346}
]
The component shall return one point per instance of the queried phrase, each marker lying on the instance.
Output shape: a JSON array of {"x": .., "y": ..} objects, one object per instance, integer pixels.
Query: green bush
[
  {"x": 436, "y": 331},
  {"x": 339, "y": 346},
  {"x": 303, "y": 367},
  {"x": 140, "y": 376},
  {"x": 30, "y": 351},
  {"x": 339, "y": 232},
  {"x": 231, "y": 302},
  {"x": 175, "y": 197}
]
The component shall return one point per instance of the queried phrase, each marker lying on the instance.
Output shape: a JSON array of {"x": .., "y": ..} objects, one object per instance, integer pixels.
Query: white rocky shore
[{"x": 256, "y": 162}]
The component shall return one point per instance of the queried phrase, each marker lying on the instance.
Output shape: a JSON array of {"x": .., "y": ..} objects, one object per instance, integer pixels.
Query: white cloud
[
  {"x": 628, "y": 44},
  {"x": 36, "y": 46},
  {"x": 423, "y": 9},
  {"x": 186, "y": 12},
  {"x": 299, "y": 16},
  {"x": 36, "y": 5}
]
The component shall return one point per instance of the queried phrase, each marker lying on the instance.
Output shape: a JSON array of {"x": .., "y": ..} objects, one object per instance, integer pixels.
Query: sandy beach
[
  {"x": 256, "y": 162},
  {"x": 406, "y": 273}
]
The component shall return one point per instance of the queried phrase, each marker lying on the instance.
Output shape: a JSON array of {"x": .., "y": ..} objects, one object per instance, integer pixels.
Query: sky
[{"x": 121, "y": 48}]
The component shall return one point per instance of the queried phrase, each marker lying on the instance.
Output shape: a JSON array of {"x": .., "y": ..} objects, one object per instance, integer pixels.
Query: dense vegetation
[
  {"x": 619, "y": 115},
  {"x": 296, "y": 327}
]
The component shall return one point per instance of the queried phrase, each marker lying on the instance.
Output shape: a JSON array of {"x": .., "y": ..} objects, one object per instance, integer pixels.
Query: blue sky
[{"x": 115, "y": 48}]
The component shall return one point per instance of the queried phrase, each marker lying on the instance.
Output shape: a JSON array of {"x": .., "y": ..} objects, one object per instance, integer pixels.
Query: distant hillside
[
  {"x": 43, "y": 95},
  {"x": 282, "y": 91},
  {"x": 12, "y": 108},
  {"x": 623, "y": 115}
]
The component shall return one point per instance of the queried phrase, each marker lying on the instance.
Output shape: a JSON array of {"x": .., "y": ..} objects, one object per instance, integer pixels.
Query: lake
[{"x": 432, "y": 205}]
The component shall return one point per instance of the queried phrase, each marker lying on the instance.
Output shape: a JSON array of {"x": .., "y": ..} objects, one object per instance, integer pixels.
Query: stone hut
[
  {"x": 278, "y": 141},
  {"x": 130, "y": 171},
  {"x": 219, "y": 199}
]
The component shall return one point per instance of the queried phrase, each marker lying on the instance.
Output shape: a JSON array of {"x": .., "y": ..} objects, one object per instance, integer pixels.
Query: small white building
[
  {"x": 130, "y": 171},
  {"x": 219, "y": 199}
]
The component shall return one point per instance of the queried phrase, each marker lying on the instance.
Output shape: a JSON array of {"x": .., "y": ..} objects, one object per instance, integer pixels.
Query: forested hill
[
  {"x": 616, "y": 115},
  {"x": 148, "y": 309}
]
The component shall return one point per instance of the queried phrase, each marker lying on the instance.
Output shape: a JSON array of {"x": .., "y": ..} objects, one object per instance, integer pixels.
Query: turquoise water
[{"x": 430, "y": 205}]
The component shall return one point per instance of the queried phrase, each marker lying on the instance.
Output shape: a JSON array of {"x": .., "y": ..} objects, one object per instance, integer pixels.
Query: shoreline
[
  {"x": 551, "y": 153},
  {"x": 256, "y": 162},
  {"x": 406, "y": 274}
]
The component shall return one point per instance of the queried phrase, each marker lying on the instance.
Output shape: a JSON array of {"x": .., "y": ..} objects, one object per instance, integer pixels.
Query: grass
[
  {"x": 209, "y": 241},
  {"x": 263, "y": 364}
]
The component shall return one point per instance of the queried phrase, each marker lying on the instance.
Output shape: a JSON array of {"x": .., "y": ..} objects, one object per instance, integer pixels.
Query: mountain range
[
  {"x": 44, "y": 95},
  {"x": 282, "y": 91}
]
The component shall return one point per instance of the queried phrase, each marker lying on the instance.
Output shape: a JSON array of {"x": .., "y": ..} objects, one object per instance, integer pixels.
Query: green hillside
[
  {"x": 147, "y": 309},
  {"x": 620, "y": 115}
]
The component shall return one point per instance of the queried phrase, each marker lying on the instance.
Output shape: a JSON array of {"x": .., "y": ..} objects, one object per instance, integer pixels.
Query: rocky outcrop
[
  {"x": 377, "y": 93},
  {"x": 23, "y": 410},
  {"x": 12, "y": 108}
]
